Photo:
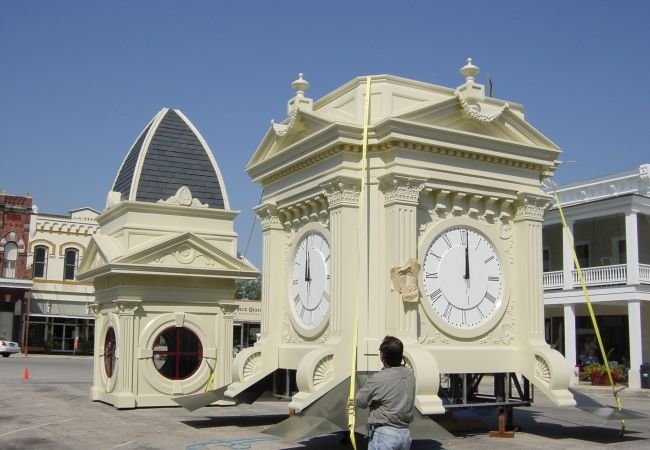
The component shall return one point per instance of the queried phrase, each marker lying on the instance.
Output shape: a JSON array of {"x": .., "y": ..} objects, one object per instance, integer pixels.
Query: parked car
[{"x": 8, "y": 347}]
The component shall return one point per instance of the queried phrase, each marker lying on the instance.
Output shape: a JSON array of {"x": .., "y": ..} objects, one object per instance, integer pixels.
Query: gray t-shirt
[{"x": 390, "y": 394}]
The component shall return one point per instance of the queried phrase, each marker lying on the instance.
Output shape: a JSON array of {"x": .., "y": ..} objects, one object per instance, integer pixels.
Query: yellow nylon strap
[
  {"x": 355, "y": 330},
  {"x": 208, "y": 387},
  {"x": 589, "y": 307}
]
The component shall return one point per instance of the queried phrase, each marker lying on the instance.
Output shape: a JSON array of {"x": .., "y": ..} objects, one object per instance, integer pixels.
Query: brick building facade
[{"x": 15, "y": 276}]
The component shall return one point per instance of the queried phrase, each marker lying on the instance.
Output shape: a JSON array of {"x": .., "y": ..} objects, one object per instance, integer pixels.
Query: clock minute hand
[{"x": 466, "y": 276}]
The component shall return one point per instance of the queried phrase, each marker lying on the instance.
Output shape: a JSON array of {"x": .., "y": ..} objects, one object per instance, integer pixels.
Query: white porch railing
[
  {"x": 602, "y": 275},
  {"x": 553, "y": 280},
  {"x": 644, "y": 273}
]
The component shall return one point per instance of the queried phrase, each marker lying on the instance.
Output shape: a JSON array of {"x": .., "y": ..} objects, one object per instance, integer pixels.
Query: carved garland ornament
[{"x": 474, "y": 111}]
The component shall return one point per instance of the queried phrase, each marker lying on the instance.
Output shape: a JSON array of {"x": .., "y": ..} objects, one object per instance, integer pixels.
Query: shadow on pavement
[{"x": 536, "y": 423}]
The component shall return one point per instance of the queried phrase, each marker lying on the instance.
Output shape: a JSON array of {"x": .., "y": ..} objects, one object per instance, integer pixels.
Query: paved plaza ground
[{"x": 52, "y": 411}]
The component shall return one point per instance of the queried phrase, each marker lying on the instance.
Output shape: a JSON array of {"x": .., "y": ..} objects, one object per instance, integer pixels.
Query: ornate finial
[
  {"x": 469, "y": 70},
  {"x": 300, "y": 85}
]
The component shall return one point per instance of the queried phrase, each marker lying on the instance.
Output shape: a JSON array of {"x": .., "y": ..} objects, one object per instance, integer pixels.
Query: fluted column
[
  {"x": 343, "y": 206},
  {"x": 401, "y": 196},
  {"x": 273, "y": 240},
  {"x": 528, "y": 228},
  {"x": 224, "y": 343},
  {"x": 126, "y": 370}
]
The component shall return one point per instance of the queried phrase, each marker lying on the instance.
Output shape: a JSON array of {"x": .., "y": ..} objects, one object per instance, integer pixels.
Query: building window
[
  {"x": 582, "y": 253},
  {"x": 70, "y": 269},
  {"x": 177, "y": 353},
  {"x": 40, "y": 261},
  {"x": 10, "y": 257},
  {"x": 109, "y": 352}
]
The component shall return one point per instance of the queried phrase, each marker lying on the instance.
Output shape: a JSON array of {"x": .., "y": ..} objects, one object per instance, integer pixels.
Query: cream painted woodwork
[
  {"x": 437, "y": 158},
  {"x": 155, "y": 266}
]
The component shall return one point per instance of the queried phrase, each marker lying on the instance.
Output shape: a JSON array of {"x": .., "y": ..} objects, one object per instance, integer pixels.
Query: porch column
[
  {"x": 567, "y": 257},
  {"x": 570, "y": 338},
  {"x": 636, "y": 346},
  {"x": 632, "y": 247}
]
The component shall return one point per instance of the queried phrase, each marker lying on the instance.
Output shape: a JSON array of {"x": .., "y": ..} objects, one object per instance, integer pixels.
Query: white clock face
[
  {"x": 310, "y": 281},
  {"x": 462, "y": 278}
]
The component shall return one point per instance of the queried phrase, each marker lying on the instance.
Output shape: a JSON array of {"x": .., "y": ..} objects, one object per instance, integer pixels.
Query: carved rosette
[
  {"x": 401, "y": 189},
  {"x": 342, "y": 193},
  {"x": 530, "y": 207},
  {"x": 268, "y": 215}
]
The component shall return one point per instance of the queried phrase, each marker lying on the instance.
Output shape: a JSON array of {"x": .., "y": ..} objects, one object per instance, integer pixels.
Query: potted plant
[{"x": 597, "y": 374}]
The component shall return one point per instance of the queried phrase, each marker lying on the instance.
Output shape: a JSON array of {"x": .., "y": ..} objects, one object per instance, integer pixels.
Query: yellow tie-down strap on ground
[
  {"x": 589, "y": 307},
  {"x": 355, "y": 331}
]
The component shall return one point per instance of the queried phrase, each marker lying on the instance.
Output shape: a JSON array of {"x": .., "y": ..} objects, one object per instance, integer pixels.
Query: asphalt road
[{"x": 51, "y": 410}]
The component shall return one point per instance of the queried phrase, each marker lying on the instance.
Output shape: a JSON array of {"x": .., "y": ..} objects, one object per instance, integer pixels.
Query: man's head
[{"x": 390, "y": 351}]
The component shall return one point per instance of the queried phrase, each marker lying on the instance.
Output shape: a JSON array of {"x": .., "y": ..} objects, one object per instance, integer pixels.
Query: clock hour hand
[
  {"x": 466, "y": 276},
  {"x": 308, "y": 276}
]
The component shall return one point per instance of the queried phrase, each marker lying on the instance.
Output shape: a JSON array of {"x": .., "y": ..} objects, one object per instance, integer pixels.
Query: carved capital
[
  {"x": 342, "y": 192},
  {"x": 401, "y": 189},
  {"x": 530, "y": 207},
  {"x": 268, "y": 215}
]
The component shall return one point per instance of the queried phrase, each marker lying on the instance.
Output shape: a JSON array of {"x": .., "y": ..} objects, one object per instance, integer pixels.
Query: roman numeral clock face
[
  {"x": 462, "y": 278},
  {"x": 310, "y": 282}
]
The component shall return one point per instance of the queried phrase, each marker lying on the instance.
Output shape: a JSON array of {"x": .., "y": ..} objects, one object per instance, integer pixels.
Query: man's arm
[{"x": 364, "y": 396}]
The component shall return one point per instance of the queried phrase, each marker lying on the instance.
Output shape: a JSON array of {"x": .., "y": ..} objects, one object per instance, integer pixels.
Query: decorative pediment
[
  {"x": 188, "y": 251},
  {"x": 98, "y": 254},
  {"x": 280, "y": 136},
  {"x": 491, "y": 119}
]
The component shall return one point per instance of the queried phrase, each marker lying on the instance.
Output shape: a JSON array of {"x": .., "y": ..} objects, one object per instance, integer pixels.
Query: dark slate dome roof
[{"x": 171, "y": 153}]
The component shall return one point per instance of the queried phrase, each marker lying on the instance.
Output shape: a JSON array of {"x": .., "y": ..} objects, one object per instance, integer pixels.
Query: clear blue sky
[{"x": 80, "y": 79}]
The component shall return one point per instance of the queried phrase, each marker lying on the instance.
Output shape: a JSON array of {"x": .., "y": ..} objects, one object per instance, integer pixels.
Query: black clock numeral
[
  {"x": 490, "y": 297},
  {"x": 480, "y": 312},
  {"x": 489, "y": 259},
  {"x": 464, "y": 319},
  {"x": 463, "y": 237},
  {"x": 294, "y": 282},
  {"x": 434, "y": 255},
  {"x": 493, "y": 278},
  {"x": 447, "y": 241},
  {"x": 435, "y": 295},
  {"x": 431, "y": 275},
  {"x": 327, "y": 258},
  {"x": 448, "y": 311},
  {"x": 328, "y": 277},
  {"x": 478, "y": 243},
  {"x": 326, "y": 297}
]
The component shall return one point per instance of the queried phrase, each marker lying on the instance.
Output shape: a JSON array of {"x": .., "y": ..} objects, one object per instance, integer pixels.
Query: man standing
[{"x": 390, "y": 395}]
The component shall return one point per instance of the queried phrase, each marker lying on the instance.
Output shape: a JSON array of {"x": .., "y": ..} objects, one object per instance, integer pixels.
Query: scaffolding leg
[{"x": 505, "y": 418}]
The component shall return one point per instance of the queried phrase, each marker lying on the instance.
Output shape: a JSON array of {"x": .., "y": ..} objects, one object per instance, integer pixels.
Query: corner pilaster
[
  {"x": 273, "y": 239},
  {"x": 401, "y": 198}
]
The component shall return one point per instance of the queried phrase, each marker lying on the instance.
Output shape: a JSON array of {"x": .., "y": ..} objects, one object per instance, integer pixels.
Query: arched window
[
  {"x": 109, "y": 352},
  {"x": 40, "y": 261},
  {"x": 70, "y": 269},
  {"x": 177, "y": 353},
  {"x": 10, "y": 257}
]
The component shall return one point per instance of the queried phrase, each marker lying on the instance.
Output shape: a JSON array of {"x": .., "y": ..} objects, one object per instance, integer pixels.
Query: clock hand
[
  {"x": 466, "y": 276},
  {"x": 308, "y": 273}
]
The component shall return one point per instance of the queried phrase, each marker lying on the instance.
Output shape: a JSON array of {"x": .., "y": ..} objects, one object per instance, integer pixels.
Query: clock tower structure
[{"x": 435, "y": 238}]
